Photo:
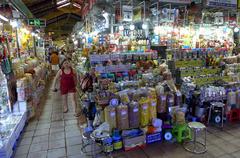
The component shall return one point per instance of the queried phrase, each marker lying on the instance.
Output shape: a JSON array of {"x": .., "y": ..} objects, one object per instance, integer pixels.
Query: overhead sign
[
  {"x": 37, "y": 22},
  {"x": 177, "y": 1},
  {"x": 222, "y": 3},
  {"x": 127, "y": 12}
]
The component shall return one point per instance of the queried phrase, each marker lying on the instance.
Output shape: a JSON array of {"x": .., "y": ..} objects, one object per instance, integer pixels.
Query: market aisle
[
  {"x": 53, "y": 135},
  {"x": 56, "y": 135}
]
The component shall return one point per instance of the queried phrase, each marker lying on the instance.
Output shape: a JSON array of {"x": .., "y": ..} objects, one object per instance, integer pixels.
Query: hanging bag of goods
[
  {"x": 110, "y": 116},
  {"x": 152, "y": 104},
  {"x": 122, "y": 117},
  {"x": 86, "y": 83},
  {"x": 144, "y": 111},
  {"x": 134, "y": 115}
]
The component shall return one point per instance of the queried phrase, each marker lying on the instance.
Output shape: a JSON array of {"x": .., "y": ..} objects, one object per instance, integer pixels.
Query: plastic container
[
  {"x": 107, "y": 145},
  {"x": 117, "y": 140}
]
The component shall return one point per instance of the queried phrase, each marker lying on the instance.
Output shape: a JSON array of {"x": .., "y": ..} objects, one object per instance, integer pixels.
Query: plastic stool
[
  {"x": 233, "y": 115},
  {"x": 212, "y": 107},
  {"x": 181, "y": 132},
  {"x": 196, "y": 146}
]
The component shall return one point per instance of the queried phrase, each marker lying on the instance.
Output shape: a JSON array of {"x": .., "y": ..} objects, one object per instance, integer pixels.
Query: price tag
[
  {"x": 144, "y": 107},
  {"x": 163, "y": 98},
  {"x": 112, "y": 114},
  {"x": 135, "y": 110},
  {"x": 154, "y": 103},
  {"x": 123, "y": 113},
  {"x": 114, "y": 57}
]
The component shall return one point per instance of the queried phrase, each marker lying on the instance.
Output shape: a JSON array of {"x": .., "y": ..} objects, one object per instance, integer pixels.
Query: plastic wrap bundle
[
  {"x": 167, "y": 75},
  {"x": 110, "y": 116},
  {"x": 37, "y": 71},
  {"x": 30, "y": 83},
  {"x": 162, "y": 104},
  {"x": 178, "y": 98},
  {"x": 122, "y": 117},
  {"x": 144, "y": 112},
  {"x": 152, "y": 109},
  {"x": 19, "y": 72},
  {"x": 238, "y": 99},
  {"x": 170, "y": 100},
  {"x": 124, "y": 97},
  {"x": 231, "y": 98},
  {"x": 159, "y": 89},
  {"x": 134, "y": 115}
]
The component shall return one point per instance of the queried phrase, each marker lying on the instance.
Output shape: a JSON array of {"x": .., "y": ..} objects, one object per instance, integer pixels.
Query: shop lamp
[
  {"x": 38, "y": 37},
  {"x": 3, "y": 18},
  {"x": 144, "y": 26},
  {"x": 132, "y": 27},
  {"x": 121, "y": 27},
  {"x": 13, "y": 23},
  {"x": 33, "y": 34},
  {"x": 236, "y": 29}
]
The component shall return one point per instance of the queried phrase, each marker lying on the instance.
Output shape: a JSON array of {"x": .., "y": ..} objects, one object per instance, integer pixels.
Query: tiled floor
[{"x": 57, "y": 135}]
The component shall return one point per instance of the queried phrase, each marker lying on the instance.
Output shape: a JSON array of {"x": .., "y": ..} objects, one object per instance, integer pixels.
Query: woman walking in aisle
[{"x": 68, "y": 83}]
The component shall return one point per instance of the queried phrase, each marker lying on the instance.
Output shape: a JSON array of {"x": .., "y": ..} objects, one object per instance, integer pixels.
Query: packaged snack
[
  {"x": 144, "y": 111},
  {"x": 134, "y": 115},
  {"x": 110, "y": 116},
  {"x": 122, "y": 117},
  {"x": 162, "y": 104}
]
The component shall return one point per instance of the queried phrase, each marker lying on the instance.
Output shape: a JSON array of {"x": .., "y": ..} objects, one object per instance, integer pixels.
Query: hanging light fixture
[
  {"x": 236, "y": 29},
  {"x": 144, "y": 26},
  {"x": 121, "y": 28},
  {"x": 3, "y": 18}
]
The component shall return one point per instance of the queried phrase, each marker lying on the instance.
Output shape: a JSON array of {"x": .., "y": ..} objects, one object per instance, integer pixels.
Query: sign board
[
  {"x": 222, "y": 3},
  {"x": 177, "y": 1},
  {"x": 37, "y": 22},
  {"x": 127, "y": 12}
]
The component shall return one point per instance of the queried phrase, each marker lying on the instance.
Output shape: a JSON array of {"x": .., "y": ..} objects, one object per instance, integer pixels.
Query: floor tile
[
  {"x": 40, "y": 154},
  {"x": 21, "y": 156},
  {"x": 74, "y": 133},
  {"x": 236, "y": 154},
  {"x": 21, "y": 150},
  {"x": 39, "y": 147},
  {"x": 74, "y": 150},
  {"x": 43, "y": 126},
  {"x": 56, "y": 136},
  {"x": 55, "y": 144},
  {"x": 28, "y": 134},
  {"x": 25, "y": 141},
  {"x": 56, "y": 153},
  {"x": 41, "y": 132},
  {"x": 70, "y": 122},
  {"x": 74, "y": 141},
  {"x": 40, "y": 139}
]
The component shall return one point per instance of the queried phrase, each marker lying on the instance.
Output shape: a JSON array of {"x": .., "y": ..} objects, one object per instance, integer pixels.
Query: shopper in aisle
[
  {"x": 68, "y": 82},
  {"x": 62, "y": 57},
  {"x": 54, "y": 59}
]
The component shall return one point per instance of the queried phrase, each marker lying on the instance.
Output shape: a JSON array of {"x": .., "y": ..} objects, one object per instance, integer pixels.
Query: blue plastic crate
[{"x": 155, "y": 137}]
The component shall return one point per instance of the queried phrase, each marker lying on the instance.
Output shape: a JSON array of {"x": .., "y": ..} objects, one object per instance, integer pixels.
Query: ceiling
[{"x": 60, "y": 15}]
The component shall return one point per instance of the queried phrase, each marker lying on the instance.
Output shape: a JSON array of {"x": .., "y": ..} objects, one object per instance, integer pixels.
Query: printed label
[
  {"x": 112, "y": 114},
  {"x": 135, "y": 110},
  {"x": 154, "y": 103},
  {"x": 123, "y": 112}
]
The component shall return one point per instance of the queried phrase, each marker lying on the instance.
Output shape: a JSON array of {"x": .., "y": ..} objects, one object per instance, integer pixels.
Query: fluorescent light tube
[{"x": 3, "y": 18}]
